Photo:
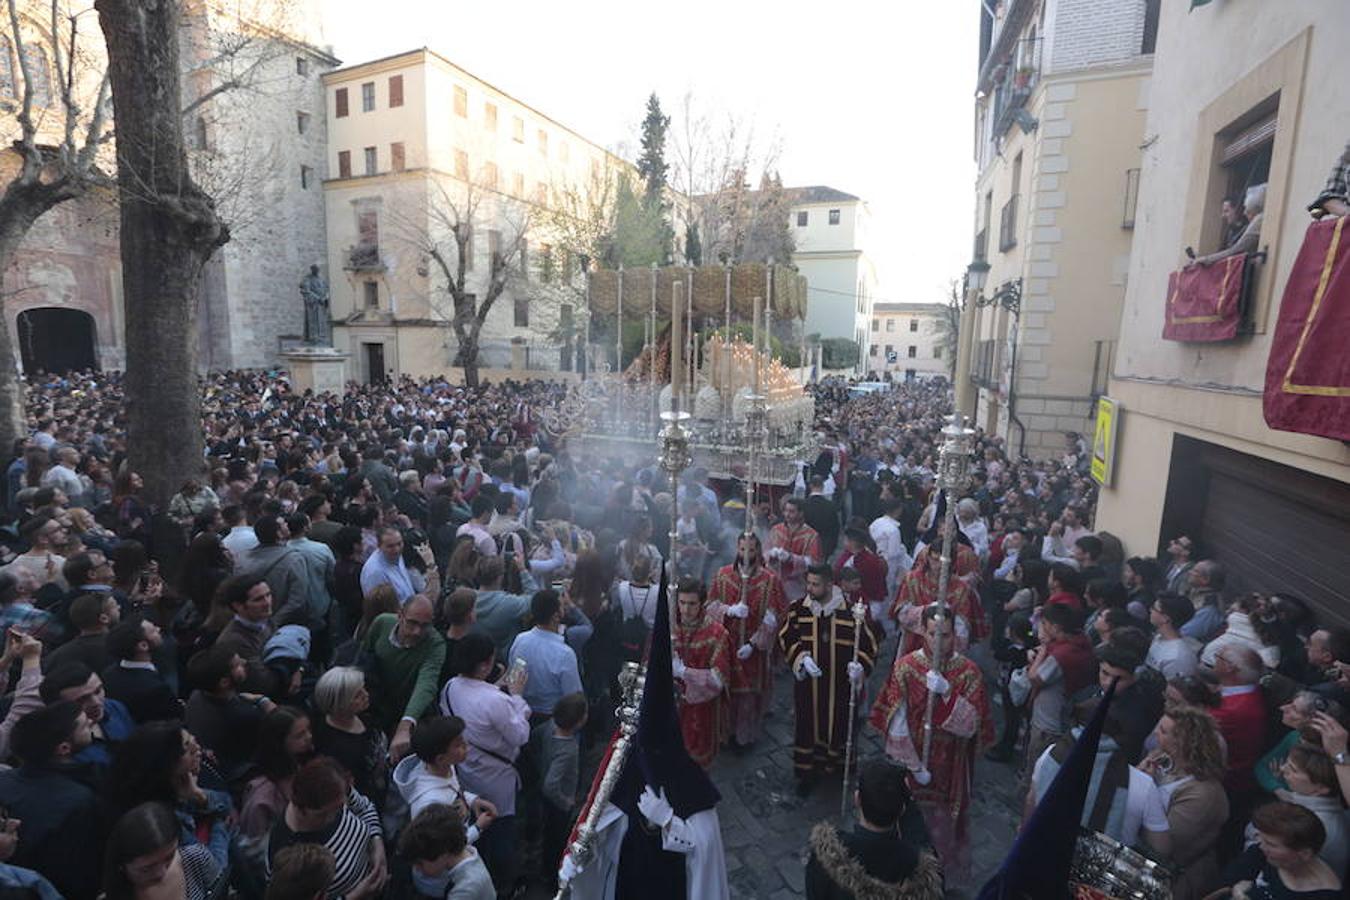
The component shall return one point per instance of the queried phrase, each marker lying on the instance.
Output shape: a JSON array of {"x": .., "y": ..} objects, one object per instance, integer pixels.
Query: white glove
[
  {"x": 778, "y": 553},
  {"x": 569, "y": 871},
  {"x": 922, "y": 776},
  {"x": 937, "y": 684},
  {"x": 676, "y": 667},
  {"x": 739, "y": 611},
  {"x": 810, "y": 668},
  {"x": 745, "y": 651},
  {"x": 655, "y": 808},
  {"x": 770, "y": 620},
  {"x": 855, "y": 672}
]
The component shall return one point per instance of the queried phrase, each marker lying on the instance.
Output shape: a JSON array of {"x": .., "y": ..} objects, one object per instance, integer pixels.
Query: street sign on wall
[{"x": 1104, "y": 441}]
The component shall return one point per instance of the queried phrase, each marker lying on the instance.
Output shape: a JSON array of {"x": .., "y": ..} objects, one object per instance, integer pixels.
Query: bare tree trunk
[
  {"x": 16, "y": 217},
  {"x": 169, "y": 231},
  {"x": 466, "y": 357}
]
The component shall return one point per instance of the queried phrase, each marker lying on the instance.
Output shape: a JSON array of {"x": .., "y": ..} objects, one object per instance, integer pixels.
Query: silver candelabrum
[
  {"x": 952, "y": 477},
  {"x": 632, "y": 680}
]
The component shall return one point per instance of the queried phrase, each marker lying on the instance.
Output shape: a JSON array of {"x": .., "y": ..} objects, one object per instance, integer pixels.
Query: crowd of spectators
[{"x": 366, "y": 652}]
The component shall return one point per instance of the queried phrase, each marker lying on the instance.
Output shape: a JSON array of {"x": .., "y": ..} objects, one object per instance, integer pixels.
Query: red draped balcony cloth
[
  {"x": 1204, "y": 302},
  {"x": 1308, "y": 373}
]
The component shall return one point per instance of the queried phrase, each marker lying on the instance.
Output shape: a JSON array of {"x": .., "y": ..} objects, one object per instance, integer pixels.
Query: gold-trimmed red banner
[
  {"x": 1204, "y": 302},
  {"x": 1308, "y": 372}
]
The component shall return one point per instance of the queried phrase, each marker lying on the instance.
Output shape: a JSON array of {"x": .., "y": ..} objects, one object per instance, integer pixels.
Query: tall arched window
[
  {"x": 7, "y": 80},
  {"x": 35, "y": 59}
]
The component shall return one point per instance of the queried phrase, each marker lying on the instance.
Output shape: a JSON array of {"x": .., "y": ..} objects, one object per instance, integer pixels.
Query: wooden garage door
[{"x": 1279, "y": 529}]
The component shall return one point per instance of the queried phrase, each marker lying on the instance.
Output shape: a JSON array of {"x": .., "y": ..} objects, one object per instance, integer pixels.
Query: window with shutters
[
  {"x": 1152, "y": 10},
  {"x": 545, "y": 264},
  {"x": 368, "y": 96},
  {"x": 395, "y": 90},
  {"x": 35, "y": 60},
  {"x": 490, "y": 116},
  {"x": 461, "y": 164},
  {"x": 340, "y": 98},
  {"x": 494, "y": 248},
  {"x": 344, "y": 164},
  {"x": 803, "y": 217},
  {"x": 518, "y": 184},
  {"x": 913, "y": 325},
  {"x": 461, "y": 102},
  {"x": 372, "y": 161},
  {"x": 397, "y": 162},
  {"x": 368, "y": 229},
  {"x": 913, "y": 352},
  {"x": 491, "y": 177},
  {"x": 301, "y": 66},
  {"x": 7, "y": 79},
  {"x": 890, "y": 324},
  {"x": 370, "y": 290},
  {"x": 872, "y": 351}
]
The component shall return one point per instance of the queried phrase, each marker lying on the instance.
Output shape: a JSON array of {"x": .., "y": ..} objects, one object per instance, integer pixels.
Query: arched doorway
[{"x": 56, "y": 340}]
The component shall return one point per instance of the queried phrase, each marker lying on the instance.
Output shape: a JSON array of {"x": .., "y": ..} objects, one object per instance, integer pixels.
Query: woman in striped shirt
[{"x": 321, "y": 812}]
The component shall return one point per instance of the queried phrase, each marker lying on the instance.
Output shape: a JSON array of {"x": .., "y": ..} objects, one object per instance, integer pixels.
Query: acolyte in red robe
[
  {"x": 919, "y": 589},
  {"x": 751, "y": 687},
  {"x": 705, "y": 650},
  {"x": 962, "y": 727},
  {"x": 871, "y": 567},
  {"x": 803, "y": 546}
]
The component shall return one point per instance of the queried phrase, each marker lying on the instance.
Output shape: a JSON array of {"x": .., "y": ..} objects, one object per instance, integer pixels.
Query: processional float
[{"x": 752, "y": 420}]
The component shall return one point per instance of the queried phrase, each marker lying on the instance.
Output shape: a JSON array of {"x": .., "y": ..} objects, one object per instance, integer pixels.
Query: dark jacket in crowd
[
  {"x": 870, "y": 864},
  {"x": 59, "y": 830},
  {"x": 145, "y": 693}
]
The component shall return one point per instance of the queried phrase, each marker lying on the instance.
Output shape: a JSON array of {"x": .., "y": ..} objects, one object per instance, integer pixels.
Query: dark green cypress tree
[
  {"x": 652, "y": 168},
  {"x": 652, "y": 163}
]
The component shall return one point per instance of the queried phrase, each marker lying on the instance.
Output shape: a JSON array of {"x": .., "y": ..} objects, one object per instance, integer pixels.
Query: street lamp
[
  {"x": 976, "y": 274},
  {"x": 1008, "y": 296}
]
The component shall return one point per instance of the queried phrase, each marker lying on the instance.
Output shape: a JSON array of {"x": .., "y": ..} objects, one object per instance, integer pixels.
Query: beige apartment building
[
  {"x": 908, "y": 341},
  {"x": 831, "y": 229},
  {"x": 416, "y": 144},
  {"x": 1194, "y": 454},
  {"x": 1059, "y": 117}
]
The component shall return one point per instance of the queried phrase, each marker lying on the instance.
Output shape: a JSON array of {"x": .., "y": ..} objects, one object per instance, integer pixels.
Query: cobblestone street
[{"x": 765, "y": 824}]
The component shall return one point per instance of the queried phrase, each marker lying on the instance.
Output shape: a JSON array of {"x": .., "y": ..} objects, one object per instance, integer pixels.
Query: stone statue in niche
[{"x": 314, "y": 293}]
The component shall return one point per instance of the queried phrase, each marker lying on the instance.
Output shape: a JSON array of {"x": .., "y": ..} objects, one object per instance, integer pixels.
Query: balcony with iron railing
[{"x": 364, "y": 258}]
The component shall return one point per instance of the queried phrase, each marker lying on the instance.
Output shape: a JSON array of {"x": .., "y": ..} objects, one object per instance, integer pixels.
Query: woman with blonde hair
[{"x": 1188, "y": 767}]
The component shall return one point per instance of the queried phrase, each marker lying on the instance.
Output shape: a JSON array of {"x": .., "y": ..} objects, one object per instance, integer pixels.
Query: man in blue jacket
[
  {"x": 52, "y": 796},
  {"x": 109, "y": 719}
]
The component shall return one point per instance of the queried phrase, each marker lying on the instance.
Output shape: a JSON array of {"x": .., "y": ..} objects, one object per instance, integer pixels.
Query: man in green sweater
[{"x": 403, "y": 655}]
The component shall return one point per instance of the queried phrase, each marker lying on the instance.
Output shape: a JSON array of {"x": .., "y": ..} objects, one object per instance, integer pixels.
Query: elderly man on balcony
[{"x": 1249, "y": 241}]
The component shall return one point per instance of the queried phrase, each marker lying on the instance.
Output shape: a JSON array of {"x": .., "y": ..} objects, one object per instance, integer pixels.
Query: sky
[{"x": 873, "y": 98}]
